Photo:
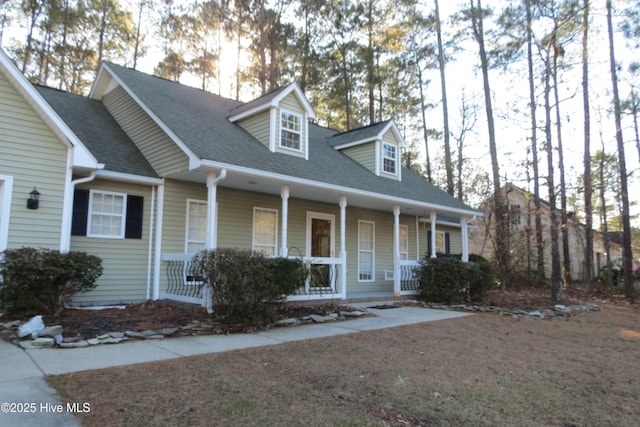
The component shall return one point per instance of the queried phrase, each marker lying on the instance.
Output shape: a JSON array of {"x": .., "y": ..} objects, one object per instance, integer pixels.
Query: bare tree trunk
[
  {"x": 445, "y": 108},
  {"x": 137, "y": 44},
  {"x": 238, "y": 69},
  {"x": 588, "y": 185},
  {"x": 262, "y": 30},
  {"x": 424, "y": 122},
  {"x": 468, "y": 121},
  {"x": 626, "y": 222},
  {"x": 369, "y": 60},
  {"x": 556, "y": 274},
  {"x": 566, "y": 258},
  {"x": 34, "y": 14},
  {"x": 604, "y": 225},
  {"x": 502, "y": 250},
  {"x": 534, "y": 152}
]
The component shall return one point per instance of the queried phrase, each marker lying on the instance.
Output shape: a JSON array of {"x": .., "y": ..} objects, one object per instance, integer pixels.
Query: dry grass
[{"x": 482, "y": 370}]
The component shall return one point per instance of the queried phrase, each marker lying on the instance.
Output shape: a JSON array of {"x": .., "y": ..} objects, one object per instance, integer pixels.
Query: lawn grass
[{"x": 481, "y": 370}]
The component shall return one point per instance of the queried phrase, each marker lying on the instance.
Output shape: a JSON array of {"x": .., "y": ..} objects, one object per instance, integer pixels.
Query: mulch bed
[
  {"x": 151, "y": 315},
  {"x": 167, "y": 314}
]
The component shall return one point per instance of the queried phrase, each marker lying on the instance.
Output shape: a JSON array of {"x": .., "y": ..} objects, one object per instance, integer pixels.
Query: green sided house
[{"x": 146, "y": 172}]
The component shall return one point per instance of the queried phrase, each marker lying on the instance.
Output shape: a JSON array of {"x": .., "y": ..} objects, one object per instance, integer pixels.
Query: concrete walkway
[{"x": 22, "y": 385}]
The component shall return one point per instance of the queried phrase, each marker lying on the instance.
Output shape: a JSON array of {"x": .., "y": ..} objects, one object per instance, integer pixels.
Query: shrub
[
  {"x": 286, "y": 274},
  {"x": 247, "y": 285},
  {"x": 448, "y": 280},
  {"x": 483, "y": 276},
  {"x": 443, "y": 280},
  {"x": 43, "y": 281}
]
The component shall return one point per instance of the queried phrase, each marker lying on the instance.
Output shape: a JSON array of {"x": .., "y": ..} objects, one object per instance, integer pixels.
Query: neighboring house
[
  {"x": 521, "y": 209},
  {"x": 146, "y": 172}
]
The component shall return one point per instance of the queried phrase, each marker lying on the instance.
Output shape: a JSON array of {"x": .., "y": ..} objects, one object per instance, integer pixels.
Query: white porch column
[
  {"x": 396, "y": 251},
  {"x": 212, "y": 213},
  {"x": 433, "y": 234},
  {"x": 158, "y": 241},
  {"x": 343, "y": 245},
  {"x": 465, "y": 239},
  {"x": 284, "y": 193}
]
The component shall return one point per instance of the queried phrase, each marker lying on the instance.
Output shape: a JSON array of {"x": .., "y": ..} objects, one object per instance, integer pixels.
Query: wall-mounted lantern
[{"x": 34, "y": 199}]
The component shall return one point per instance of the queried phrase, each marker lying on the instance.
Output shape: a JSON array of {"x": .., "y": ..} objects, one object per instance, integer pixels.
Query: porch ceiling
[{"x": 316, "y": 192}]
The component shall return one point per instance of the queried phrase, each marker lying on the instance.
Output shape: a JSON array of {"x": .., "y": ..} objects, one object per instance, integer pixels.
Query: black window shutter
[
  {"x": 133, "y": 227},
  {"x": 447, "y": 243},
  {"x": 428, "y": 244},
  {"x": 80, "y": 212}
]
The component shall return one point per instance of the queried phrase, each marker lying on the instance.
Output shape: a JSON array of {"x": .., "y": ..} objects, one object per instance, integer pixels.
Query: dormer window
[
  {"x": 389, "y": 158},
  {"x": 290, "y": 130}
]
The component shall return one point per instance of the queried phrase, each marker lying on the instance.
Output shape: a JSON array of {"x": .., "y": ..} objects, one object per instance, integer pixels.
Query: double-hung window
[
  {"x": 290, "y": 130},
  {"x": 366, "y": 251},
  {"x": 389, "y": 158},
  {"x": 443, "y": 242},
  {"x": 196, "y": 237},
  {"x": 265, "y": 231},
  {"x": 404, "y": 242},
  {"x": 107, "y": 214}
]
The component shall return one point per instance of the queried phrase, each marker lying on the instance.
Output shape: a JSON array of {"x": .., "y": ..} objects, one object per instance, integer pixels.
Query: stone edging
[
  {"x": 559, "y": 310},
  {"x": 52, "y": 336}
]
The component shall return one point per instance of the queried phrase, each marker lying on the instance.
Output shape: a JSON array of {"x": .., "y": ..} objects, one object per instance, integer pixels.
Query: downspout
[
  {"x": 465, "y": 238},
  {"x": 343, "y": 246},
  {"x": 212, "y": 229},
  {"x": 67, "y": 209}
]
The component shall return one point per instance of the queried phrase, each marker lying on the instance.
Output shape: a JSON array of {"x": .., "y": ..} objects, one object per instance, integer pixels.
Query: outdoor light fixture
[{"x": 34, "y": 199}]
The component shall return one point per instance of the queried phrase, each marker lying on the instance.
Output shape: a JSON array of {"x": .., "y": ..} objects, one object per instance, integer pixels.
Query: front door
[{"x": 321, "y": 248}]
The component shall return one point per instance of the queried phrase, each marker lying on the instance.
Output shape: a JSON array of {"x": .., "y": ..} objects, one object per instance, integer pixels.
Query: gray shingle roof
[
  {"x": 98, "y": 131},
  {"x": 363, "y": 133},
  {"x": 265, "y": 99},
  {"x": 199, "y": 120}
]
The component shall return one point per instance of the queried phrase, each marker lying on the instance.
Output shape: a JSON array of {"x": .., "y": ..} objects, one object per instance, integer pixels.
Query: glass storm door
[{"x": 320, "y": 247}]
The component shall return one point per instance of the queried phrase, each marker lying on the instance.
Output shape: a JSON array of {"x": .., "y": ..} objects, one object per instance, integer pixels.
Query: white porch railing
[
  {"x": 325, "y": 280},
  {"x": 409, "y": 277},
  {"x": 183, "y": 283}
]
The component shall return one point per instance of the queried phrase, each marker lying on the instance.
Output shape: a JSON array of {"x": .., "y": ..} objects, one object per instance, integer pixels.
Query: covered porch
[{"x": 329, "y": 232}]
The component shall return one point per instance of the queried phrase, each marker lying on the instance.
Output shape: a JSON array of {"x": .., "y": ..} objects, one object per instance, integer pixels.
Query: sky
[{"x": 509, "y": 96}]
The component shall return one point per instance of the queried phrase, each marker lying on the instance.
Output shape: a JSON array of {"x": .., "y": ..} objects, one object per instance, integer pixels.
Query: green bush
[
  {"x": 483, "y": 276},
  {"x": 448, "y": 280},
  {"x": 443, "y": 280},
  {"x": 286, "y": 274},
  {"x": 247, "y": 285},
  {"x": 43, "y": 281}
]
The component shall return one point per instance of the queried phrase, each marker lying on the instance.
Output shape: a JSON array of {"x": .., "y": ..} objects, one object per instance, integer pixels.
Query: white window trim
[
  {"x": 299, "y": 132},
  {"x": 186, "y": 225},
  {"x": 123, "y": 215},
  {"x": 253, "y": 233},
  {"x": 371, "y": 251},
  {"x": 395, "y": 160},
  {"x": 404, "y": 245}
]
